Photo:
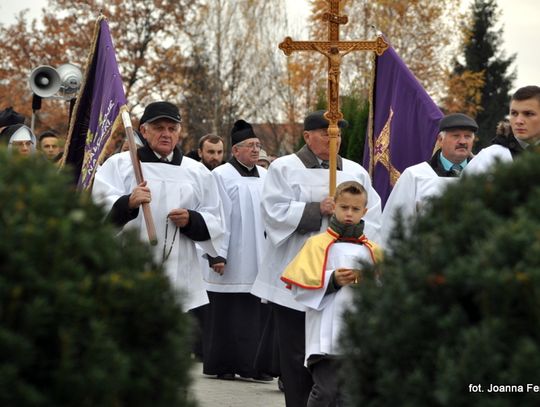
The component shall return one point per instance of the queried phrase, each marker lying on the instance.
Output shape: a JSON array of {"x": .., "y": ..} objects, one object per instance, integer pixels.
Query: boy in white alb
[{"x": 320, "y": 277}]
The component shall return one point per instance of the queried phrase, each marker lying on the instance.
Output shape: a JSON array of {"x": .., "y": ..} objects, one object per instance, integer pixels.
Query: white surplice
[
  {"x": 324, "y": 313},
  {"x": 288, "y": 186},
  {"x": 244, "y": 231},
  {"x": 486, "y": 158},
  {"x": 189, "y": 185},
  {"x": 414, "y": 187}
]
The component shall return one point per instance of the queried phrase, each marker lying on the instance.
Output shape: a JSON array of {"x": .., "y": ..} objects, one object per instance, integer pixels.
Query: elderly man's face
[
  {"x": 247, "y": 152},
  {"x": 525, "y": 119},
  {"x": 319, "y": 142},
  {"x": 162, "y": 135},
  {"x": 456, "y": 144}
]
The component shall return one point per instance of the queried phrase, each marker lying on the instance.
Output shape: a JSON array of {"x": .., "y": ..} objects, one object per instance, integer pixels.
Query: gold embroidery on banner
[{"x": 382, "y": 150}]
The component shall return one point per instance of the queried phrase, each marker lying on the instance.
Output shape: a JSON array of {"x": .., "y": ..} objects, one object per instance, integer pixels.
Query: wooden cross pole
[{"x": 334, "y": 50}]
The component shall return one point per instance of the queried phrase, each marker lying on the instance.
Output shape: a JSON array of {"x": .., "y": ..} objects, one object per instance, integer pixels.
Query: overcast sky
[{"x": 520, "y": 19}]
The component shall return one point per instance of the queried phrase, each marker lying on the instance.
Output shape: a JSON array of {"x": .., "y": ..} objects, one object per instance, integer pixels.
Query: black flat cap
[
  {"x": 241, "y": 131},
  {"x": 9, "y": 117},
  {"x": 316, "y": 120},
  {"x": 457, "y": 121},
  {"x": 161, "y": 110}
]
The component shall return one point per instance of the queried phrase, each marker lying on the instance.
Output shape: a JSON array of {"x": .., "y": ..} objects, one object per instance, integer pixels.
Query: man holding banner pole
[{"x": 182, "y": 195}]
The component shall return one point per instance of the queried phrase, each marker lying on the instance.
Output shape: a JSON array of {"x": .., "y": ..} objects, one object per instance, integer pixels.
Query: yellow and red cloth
[{"x": 308, "y": 268}]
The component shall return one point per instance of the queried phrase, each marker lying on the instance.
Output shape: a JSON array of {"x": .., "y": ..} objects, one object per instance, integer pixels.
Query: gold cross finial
[{"x": 334, "y": 50}]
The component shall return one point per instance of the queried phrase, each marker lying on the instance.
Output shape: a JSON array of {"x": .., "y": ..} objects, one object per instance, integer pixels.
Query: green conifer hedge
[
  {"x": 459, "y": 310},
  {"x": 85, "y": 320}
]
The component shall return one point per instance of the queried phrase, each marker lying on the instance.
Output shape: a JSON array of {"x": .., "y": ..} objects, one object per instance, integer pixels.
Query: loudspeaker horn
[
  {"x": 45, "y": 81},
  {"x": 70, "y": 79}
]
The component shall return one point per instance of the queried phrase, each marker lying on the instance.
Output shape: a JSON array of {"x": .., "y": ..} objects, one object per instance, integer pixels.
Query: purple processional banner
[
  {"x": 405, "y": 123},
  {"x": 97, "y": 111}
]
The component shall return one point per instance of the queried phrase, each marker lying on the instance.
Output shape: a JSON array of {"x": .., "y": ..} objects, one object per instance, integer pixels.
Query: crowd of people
[
  {"x": 263, "y": 255},
  {"x": 22, "y": 139}
]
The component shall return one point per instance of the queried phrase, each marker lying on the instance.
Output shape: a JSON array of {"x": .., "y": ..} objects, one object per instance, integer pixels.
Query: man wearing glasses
[
  {"x": 20, "y": 139},
  {"x": 233, "y": 329}
]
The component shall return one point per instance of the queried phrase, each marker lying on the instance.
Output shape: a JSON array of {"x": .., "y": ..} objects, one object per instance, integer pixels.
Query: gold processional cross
[{"x": 334, "y": 50}]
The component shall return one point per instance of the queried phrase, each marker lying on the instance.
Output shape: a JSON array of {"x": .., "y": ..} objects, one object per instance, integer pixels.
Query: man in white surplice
[
  {"x": 182, "y": 194},
  {"x": 296, "y": 205},
  {"x": 421, "y": 181},
  {"x": 234, "y": 317}
]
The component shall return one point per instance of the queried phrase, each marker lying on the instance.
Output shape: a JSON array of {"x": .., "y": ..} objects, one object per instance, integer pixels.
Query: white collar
[{"x": 245, "y": 166}]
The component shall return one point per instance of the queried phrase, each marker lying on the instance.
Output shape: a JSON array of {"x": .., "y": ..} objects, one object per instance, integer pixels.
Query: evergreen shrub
[
  {"x": 85, "y": 319},
  {"x": 460, "y": 304}
]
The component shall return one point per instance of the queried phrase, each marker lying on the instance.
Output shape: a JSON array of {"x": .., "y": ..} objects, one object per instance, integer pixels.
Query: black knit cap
[
  {"x": 457, "y": 121},
  {"x": 241, "y": 131},
  {"x": 161, "y": 110},
  {"x": 9, "y": 117},
  {"x": 316, "y": 121}
]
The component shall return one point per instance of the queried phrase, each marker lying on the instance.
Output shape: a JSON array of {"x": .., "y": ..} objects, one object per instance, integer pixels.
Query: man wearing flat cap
[
  {"x": 429, "y": 178},
  {"x": 182, "y": 195},
  {"x": 235, "y": 316},
  {"x": 295, "y": 206},
  {"x": 524, "y": 117}
]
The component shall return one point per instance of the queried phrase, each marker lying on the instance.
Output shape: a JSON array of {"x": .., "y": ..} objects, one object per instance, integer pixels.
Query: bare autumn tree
[
  {"x": 301, "y": 85},
  {"x": 423, "y": 33},
  {"x": 464, "y": 92},
  {"x": 238, "y": 39},
  {"x": 198, "y": 99},
  {"x": 303, "y": 78},
  {"x": 148, "y": 36}
]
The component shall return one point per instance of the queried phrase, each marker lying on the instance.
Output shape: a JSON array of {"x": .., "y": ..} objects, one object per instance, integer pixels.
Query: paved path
[{"x": 211, "y": 392}]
